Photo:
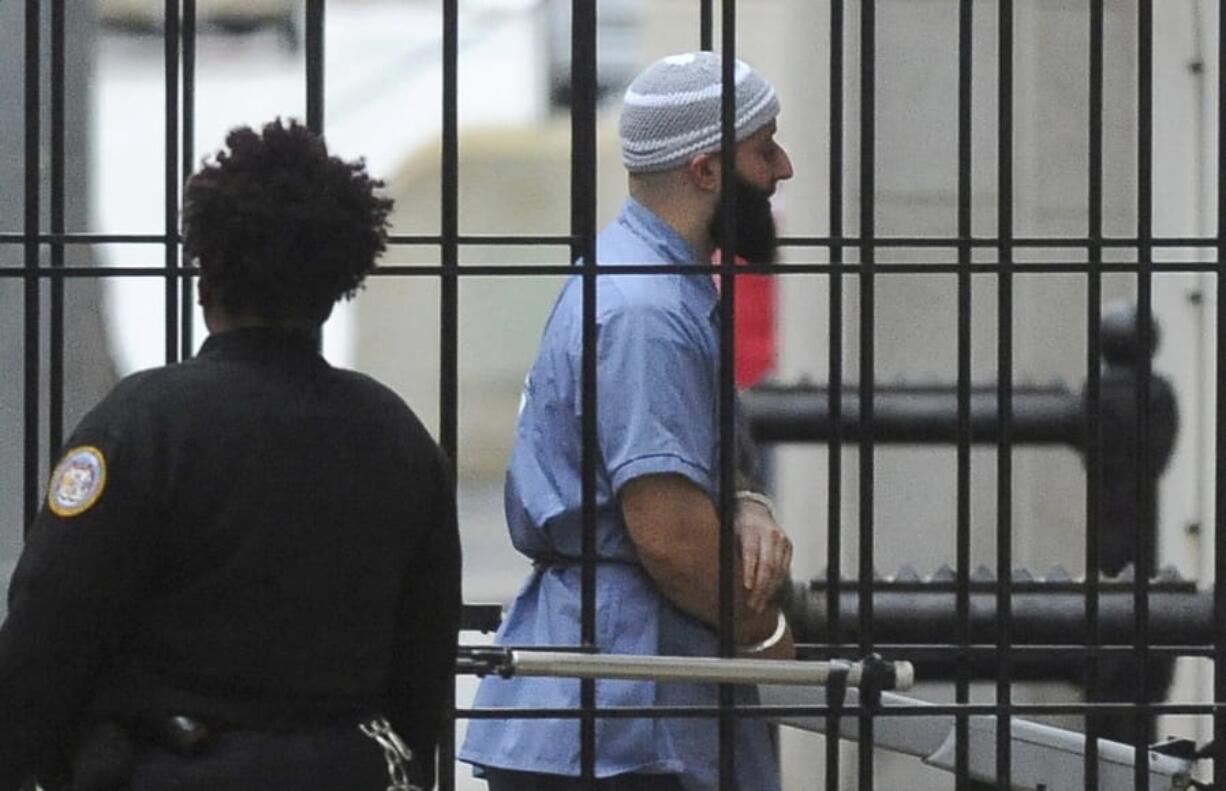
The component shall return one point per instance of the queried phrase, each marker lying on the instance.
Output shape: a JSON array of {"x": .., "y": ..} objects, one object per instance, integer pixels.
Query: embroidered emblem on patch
[{"x": 77, "y": 482}]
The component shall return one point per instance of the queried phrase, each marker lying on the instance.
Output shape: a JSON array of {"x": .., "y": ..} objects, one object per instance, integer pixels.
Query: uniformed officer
[
  {"x": 657, "y": 528},
  {"x": 246, "y": 571}
]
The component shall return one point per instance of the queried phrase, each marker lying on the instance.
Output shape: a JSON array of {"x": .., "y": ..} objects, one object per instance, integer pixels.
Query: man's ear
[{"x": 703, "y": 172}]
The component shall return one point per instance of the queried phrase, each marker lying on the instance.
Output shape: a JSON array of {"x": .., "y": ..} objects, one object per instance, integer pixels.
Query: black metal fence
[{"x": 44, "y": 237}]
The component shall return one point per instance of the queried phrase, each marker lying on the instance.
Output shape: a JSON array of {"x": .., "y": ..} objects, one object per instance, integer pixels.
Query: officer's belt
[
  {"x": 104, "y": 757},
  {"x": 554, "y": 560},
  {"x": 186, "y": 735}
]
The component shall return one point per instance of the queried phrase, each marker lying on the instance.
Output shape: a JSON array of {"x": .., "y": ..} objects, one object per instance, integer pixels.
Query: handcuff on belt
[{"x": 395, "y": 752}]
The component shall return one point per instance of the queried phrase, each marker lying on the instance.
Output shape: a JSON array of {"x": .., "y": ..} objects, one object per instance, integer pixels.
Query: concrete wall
[{"x": 511, "y": 181}]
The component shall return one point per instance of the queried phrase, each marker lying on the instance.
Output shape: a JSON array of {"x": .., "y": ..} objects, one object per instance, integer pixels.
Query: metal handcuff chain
[{"x": 395, "y": 752}]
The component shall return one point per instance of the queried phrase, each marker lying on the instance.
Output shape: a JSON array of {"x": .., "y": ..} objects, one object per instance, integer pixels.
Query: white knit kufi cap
[{"x": 672, "y": 110}]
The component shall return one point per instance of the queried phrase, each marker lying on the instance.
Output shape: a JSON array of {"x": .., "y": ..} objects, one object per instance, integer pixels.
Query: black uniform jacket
[{"x": 273, "y": 541}]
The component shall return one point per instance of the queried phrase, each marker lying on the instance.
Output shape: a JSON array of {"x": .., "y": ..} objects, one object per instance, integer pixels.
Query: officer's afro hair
[{"x": 280, "y": 228}]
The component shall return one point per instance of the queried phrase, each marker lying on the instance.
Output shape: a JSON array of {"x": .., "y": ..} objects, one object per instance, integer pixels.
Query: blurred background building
[{"x": 384, "y": 101}]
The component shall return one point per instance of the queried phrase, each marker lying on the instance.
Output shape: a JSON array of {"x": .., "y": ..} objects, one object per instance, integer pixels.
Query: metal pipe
[
  {"x": 914, "y": 414},
  {"x": 1179, "y": 617},
  {"x": 900, "y": 675}
]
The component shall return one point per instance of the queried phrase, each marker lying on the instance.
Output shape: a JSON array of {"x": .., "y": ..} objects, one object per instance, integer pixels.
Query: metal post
[
  {"x": 834, "y": 452},
  {"x": 868, "y": 198},
  {"x": 33, "y": 160},
  {"x": 187, "y": 163},
  {"x": 449, "y": 313},
  {"x": 966, "y": 59},
  {"x": 1004, "y": 365},
  {"x": 1144, "y": 492},
  {"x": 727, "y": 388},
  {"x": 583, "y": 233},
  {"x": 170, "y": 176},
  {"x": 315, "y": 65},
  {"x": 1093, "y": 431}
]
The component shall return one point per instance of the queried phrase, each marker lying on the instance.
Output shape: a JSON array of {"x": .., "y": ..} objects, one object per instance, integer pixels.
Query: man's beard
[{"x": 755, "y": 239}]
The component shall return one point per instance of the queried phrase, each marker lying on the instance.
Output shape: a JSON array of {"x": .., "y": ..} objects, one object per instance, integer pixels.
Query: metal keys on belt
[{"x": 395, "y": 752}]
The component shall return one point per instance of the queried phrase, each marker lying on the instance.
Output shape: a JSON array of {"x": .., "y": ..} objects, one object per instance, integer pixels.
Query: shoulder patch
[{"x": 77, "y": 482}]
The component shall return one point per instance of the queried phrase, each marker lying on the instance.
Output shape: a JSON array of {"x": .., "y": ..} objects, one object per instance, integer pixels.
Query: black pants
[
  {"x": 503, "y": 780},
  {"x": 324, "y": 759}
]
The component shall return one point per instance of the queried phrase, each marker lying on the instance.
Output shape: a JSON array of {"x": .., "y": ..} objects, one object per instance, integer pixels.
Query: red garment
[{"x": 755, "y": 326}]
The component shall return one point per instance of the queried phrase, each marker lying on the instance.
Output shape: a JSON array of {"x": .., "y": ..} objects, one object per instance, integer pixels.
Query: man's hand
[
  {"x": 766, "y": 553},
  {"x": 675, "y": 530}
]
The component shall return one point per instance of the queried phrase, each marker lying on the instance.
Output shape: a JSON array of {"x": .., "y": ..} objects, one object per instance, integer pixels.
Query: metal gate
[{"x": 852, "y": 253}]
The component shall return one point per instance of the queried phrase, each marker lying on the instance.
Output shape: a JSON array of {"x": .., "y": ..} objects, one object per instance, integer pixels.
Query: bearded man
[{"x": 657, "y": 525}]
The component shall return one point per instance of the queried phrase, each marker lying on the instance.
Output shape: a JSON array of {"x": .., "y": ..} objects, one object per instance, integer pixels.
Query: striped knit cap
[{"x": 672, "y": 110}]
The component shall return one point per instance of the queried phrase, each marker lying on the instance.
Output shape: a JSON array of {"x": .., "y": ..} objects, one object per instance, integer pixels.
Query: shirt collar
[
  {"x": 262, "y": 343},
  {"x": 647, "y": 225}
]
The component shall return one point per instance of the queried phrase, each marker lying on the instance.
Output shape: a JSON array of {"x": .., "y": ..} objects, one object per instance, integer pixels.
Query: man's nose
[{"x": 783, "y": 166}]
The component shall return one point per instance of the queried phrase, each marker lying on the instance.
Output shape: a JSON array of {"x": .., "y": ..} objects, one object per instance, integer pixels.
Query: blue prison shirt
[{"x": 657, "y": 387}]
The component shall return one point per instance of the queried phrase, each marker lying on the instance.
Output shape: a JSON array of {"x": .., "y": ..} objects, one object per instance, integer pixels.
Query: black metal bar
[
  {"x": 170, "y": 174},
  {"x": 706, "y": 24},
  {"x": 868, "y": 230},
  {"x": 188, "y": 155},
  {"x": 33, "y": 132},
  {"x": 84, "y": 238},
  {"x": 560, "y": 270},
  {"x": 1219, "y": 430},
  {"x": 834, "y": 453},
  {"x": 947, "y": 653},
  {"x": 1004, "y": 452},
  {"x": 1093, "y": 387},
  {"x": 1144, "y": 490},
  {"x": 988, "y": 242},
  {"x": 314, "y": 40},
  {"x": 727, "y": 386},
  {"x": 55, "y": 392},
  {"x": 315, "y": 65},
  {"x": 449, "y": 313},
  {"x": 925, "y": 711},
  {"x": 450, "y": 224},
  {"x": 1027, "y": 269},
  {"x": 966, "y": 59},
  {"x": 546, "y": 239},
  {"x": 583, "y": 229}
]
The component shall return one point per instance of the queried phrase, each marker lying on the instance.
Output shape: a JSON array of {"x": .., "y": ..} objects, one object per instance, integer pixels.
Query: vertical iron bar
[
  {"x": 1004, "y": 395},
  {"x": 33, "y": 330},
  {"x": 1145, "y": 549},
  {"x": 583, "y": 230},
  {"x": 834, "y": 450},
  {"x": 449, "y": 322},
  {"x": 1219, "y": 431},
  {"x": 727, "y": 388},
  {"x": 170, "y": 43},
  {"x": 706, "y": 24},
  {"x": 55, "y": 409},
  {"x": 187, "y": 153},
  {"x": 315, "y": 65},
  {"x": 963, "y": 507},
  {"x": 315, "y": 82},
  {"x": 1093, "y": 435},
  {"x": 868, "y": 143}
]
